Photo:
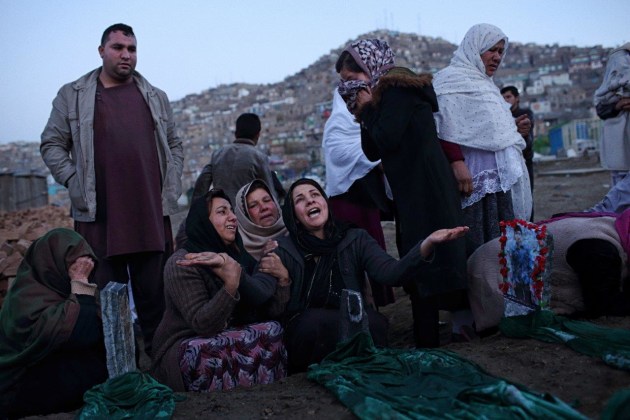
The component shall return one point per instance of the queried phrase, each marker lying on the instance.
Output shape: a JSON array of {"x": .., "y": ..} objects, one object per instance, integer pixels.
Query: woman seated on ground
[
  {"x": 210, "y": 337},
  {"x": 323, "y": 257},
  {"x": 259, "y": 220},
  {"x": 589, "y": 269},
  {"x": 51, "y": 336}
]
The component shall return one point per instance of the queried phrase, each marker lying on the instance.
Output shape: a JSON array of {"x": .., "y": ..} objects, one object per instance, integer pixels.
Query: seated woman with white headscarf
[
  {"x": 474, "y": 116},
  {"x": 259, "y": 220}
]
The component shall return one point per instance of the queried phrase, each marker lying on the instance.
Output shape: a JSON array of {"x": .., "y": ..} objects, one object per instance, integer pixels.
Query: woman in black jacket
[{"x": 323, "y": 257}]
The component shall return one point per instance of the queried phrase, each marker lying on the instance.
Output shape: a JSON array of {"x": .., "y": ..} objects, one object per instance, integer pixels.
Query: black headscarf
[
  {"x": 327, "y": 268},
  {"x": 202, "y": 236},
  {"x": 334, "y": 231}
]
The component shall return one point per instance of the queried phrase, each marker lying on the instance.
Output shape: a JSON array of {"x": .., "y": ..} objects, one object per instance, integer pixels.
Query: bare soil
[{"x": 554, "y": 368}]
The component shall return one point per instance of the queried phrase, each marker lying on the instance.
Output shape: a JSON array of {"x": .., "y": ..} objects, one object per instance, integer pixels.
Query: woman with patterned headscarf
[
  {"x": 473, "y": 115},
  {"x": 395, "y": 108}
]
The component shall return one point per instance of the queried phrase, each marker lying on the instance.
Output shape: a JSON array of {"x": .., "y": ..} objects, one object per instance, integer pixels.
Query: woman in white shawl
[
  {"x": 493, "y": 178},
  {"x": 612, "y": 101},
  {"x": 259, "y": 218},
  {"x": 355, "y": 184}
]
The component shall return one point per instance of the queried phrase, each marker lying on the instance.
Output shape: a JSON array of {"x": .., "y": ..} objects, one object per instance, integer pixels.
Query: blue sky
[{"x": 189, "y": 46}]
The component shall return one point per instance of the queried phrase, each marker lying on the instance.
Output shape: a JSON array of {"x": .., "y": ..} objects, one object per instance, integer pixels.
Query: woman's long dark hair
[{"x": 334, "y": 231}]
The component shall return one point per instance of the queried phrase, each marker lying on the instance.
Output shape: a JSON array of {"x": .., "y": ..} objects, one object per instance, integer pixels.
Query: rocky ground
[{"x": 563, "y": 185}]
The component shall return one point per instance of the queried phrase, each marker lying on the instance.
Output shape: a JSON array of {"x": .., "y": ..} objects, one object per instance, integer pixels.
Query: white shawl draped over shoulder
[
  {"x": 615, "y": 144},
  {"x": 474, "y": 114},
  {"x": 344, "y": 158}
]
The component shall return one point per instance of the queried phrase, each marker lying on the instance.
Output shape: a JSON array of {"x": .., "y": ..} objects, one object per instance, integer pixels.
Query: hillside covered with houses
[{"x": 556, "y": 82}]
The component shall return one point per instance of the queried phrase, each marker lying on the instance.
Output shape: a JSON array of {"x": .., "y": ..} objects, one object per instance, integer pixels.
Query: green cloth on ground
[
  {"x": 425, "y": 383},
  {"x": 131, "y": 395},
  {"x": 618, "y": 407},
  {"x": 610, "y": 344}
]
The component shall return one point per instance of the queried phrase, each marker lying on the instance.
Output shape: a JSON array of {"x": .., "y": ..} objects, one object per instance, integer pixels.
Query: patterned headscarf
[{"x": 375, "y": 59}]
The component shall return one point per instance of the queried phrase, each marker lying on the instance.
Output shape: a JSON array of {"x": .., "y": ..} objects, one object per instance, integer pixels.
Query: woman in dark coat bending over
[
  {"x": 395, "y": 108},
  {"x": 323, "y": 257},
  {"x": 51, "y": 335}
]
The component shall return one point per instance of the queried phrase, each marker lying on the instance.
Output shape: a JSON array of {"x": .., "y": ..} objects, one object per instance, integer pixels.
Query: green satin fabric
[
  {"x": 610, "y": 344},
  {"x": 133, "y": 395},
  {"x": 416, "y": 384}
]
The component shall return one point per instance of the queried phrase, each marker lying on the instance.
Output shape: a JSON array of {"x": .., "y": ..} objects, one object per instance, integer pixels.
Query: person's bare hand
[
  {"x": 81, "y": 268},
  {"x": 209, "y": 259},
  {"x": 441, "y": 236},
  {"x": 364, "y": 97},
  {"x": 270, "y": 245},
  {"x": 623, "y": 104},
  {"x": 463, "y": 177},
  {"x": 229, "y": 272},
  {"x": 224, "y": 266},
  {"x": 523, "y": 125},
  {"x": 272, "y": 264}
]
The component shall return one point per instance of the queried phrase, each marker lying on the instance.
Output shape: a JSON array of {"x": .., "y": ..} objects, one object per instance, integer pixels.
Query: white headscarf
[
  {"x": 255, "y": 236},
  {"x": 344, "y": 158},
  {"x": 473, "y": 112}
]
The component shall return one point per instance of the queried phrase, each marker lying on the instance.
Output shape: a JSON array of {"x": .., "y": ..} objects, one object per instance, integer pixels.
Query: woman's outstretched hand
[
  {"x": 209, "y": 259},
  {"x": 441, "y": 236}
]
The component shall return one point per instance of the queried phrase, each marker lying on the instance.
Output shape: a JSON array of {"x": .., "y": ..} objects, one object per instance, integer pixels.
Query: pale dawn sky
[{"x": 188, "y": 46}]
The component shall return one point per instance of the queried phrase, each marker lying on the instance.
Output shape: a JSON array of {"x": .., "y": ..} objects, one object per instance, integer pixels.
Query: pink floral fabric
[{"x": 253, "y": 354}]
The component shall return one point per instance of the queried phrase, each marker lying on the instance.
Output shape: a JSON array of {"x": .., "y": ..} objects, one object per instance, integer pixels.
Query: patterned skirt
[
  {"x": 253, "y": 354},
  {"x": 484, "y": 217}
]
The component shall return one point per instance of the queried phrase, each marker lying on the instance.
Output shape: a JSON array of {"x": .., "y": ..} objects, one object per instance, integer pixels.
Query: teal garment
[
  {"x": 422, "y": 383},
  {"x": 610, "y": 344},
  {"x": 618, "y": 407},
  {"x": 133, "y": 395}
]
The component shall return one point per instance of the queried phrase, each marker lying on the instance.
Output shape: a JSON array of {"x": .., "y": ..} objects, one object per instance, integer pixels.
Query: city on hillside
[{"x": 556, "y": 82}]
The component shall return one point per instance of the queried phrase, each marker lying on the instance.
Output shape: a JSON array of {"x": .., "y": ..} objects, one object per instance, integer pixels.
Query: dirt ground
[{"x": 580, "y": 380}]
